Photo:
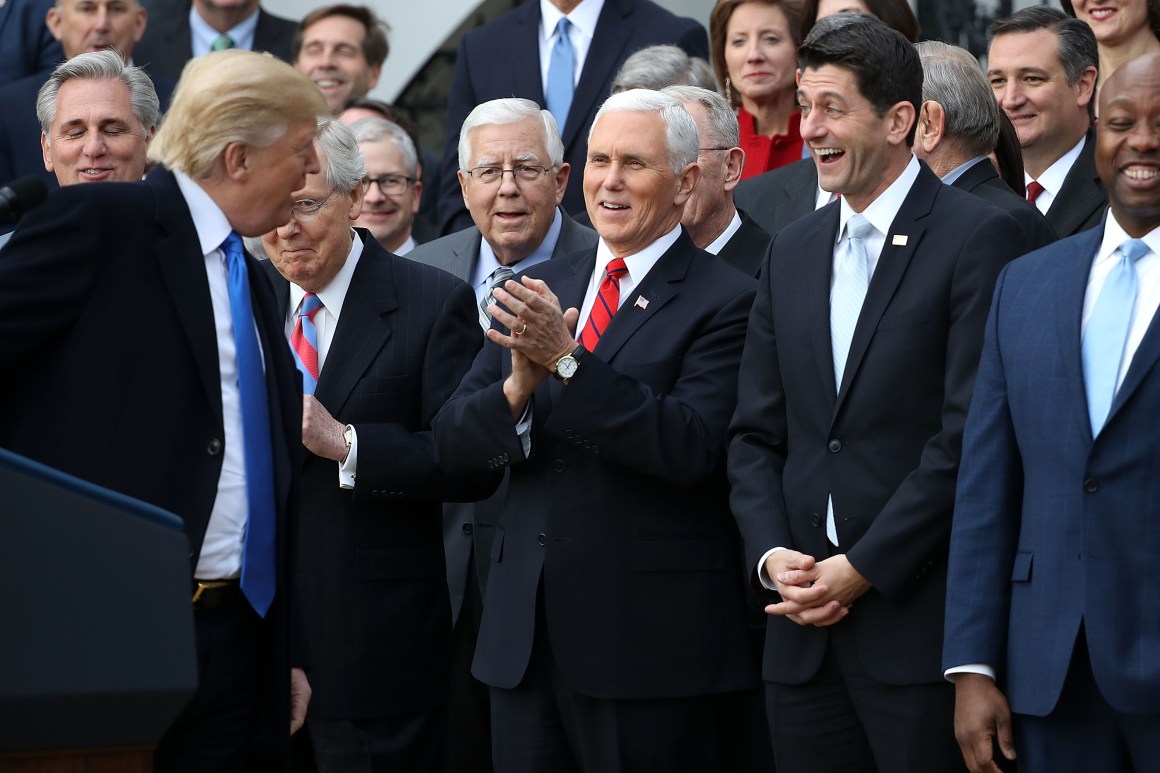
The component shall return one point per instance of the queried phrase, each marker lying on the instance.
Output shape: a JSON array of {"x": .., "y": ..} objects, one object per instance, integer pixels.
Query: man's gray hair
[
  {"x": 952, "y": 77},
  {"x": 723, "y": 127},
  {"x": 342, "y": 160},
  {"x": 382, "y": 130},
  {"x": 681, "y": 139},
  {"x": 499, "y": 112},
  {"x": 658, "y": 66},
  {"x": 100, "y": 66}
]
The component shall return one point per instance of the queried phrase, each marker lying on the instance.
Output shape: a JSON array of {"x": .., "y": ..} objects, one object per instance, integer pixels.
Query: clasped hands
[
  {"x": 814, "y": 592},
  {"x": 541, "y": 333}
]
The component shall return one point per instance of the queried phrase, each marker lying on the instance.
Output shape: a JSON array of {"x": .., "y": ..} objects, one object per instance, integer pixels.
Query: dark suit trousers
[
  {"x": 213, "y": 732},
  {"x": 842, "y": 720},
  {"x": 416, "y": 743},
  {"x": 544, "y": 726},
  {"x": 468, "y": 709},
  {"x": 1084, "y": 732}
]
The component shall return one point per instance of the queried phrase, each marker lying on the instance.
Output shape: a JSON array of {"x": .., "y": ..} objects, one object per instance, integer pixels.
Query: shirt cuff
[
  {"x": 970, "y": 668},
  {"x": 762, "y": 575},
  {"x": 347, "y": 467},
  {"x": 524, "y": 430}
]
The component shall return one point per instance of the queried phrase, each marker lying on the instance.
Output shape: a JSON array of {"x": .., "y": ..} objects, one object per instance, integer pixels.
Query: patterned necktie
[
  {"x": 606, "y": 304},
  {"x": 560, "y": 82},
  {"x": 851, "y": 279},
  {"x": 222, "y": 42},
  {"x": 304, "y": 342},
  {"x": 1033, "y": 190},
  {"x": 494, "y": 280},
  {"x": 258, "y": 559},
  {"x": 1107, "y": 333}
]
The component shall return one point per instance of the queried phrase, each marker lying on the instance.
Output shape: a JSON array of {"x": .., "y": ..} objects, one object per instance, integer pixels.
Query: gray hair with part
[
  {"x": 952, "y": 77},
  {"x": 100, "y": 66},
  {"x": 500, "y": 112},
  {"x": 723, "y": 128},
  {"x": 656, "y": 67},
  {"x": 382, "y": 130},
  {"x": 682, "y": 143},
  {"x": 342, "y": 161}
]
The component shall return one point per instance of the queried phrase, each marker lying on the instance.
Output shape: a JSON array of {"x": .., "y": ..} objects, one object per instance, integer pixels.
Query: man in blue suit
[
  {"x": 1054, "y": 577},
  {"x": 511, "y": 57},
  {"x": 26, "y": 45}
]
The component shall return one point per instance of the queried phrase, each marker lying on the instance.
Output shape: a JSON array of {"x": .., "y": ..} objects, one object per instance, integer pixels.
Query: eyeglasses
[
  {"x": 702, "y": 150},
  {"x": 520, "y": 173},
  {"x": 389, "y": 184},
  {"x": 306, "y": 209}
]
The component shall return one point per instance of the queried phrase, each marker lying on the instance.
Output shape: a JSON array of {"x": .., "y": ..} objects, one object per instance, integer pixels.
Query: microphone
[{"x": 19, "y": 196}]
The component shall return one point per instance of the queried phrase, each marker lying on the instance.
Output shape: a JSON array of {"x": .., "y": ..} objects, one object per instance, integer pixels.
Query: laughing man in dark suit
[{"x": 614, "y": 634}]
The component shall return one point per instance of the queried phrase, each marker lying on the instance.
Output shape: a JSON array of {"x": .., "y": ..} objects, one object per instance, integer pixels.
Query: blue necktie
[
  {"x": 560, "y": 82},
  {"x": 258, "y": 560},
  {"x": 851, "y": 279},
  {"x": 304, "y": 342},
  {"x": 1107, "y": 333}
]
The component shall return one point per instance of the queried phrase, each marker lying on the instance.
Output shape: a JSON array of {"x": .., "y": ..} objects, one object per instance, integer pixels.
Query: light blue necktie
[
  {"x": 258, "y": 560},
  {"x": 851, "y": 278},
  {"x": 560, "y": 82},
  {"x": 1107, "y": 332},
  {"x": 304, "y": 342}
]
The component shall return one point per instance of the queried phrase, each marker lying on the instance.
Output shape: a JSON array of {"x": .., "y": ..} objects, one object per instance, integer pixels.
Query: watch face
[{"x": 566, "y": 367}]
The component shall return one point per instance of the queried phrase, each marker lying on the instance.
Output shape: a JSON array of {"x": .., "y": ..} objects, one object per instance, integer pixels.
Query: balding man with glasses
[{"x": 381, "y": 342}]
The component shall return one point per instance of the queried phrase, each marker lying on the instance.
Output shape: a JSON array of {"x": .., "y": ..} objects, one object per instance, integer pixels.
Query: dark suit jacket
[
  {"x": 746, "y": 250},
  {"x": 167, "y": 44},
  {"x": 777, "y": 198},
  {"x": 370, "y": 560},
  {"x": 624, "y": 27},
  {"x": 20, "y": 152},
  {"x": 109, "y": 367},
  {"x": 619, "y": 517},
  {"x": 468, "y": 525},
  {"x": 26, "y": 45},
  {"x": 885, "y": 445},
  {"x": 983, "y": 181},
  {"x": 1048, "y": 521},
  {"x": 1082, "y": 200}
]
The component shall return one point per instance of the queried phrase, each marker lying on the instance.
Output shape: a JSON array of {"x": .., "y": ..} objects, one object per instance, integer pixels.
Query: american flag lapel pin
[
  {"x": 641, "y": 302},
  {"x": 899, "y": 240}
]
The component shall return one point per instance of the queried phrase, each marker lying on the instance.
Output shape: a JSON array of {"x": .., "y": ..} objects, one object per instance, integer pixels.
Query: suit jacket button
[
  {"x": 816, "y": 520},
  {"x": 834, "y": 445},
  {"x": 1091, "y": 485},
  {"x": 214, "y": 448},
  {"x": 559, "y": 465},
  {"x": 542, "y": 539},
  {"x": 467, "y": 528}
]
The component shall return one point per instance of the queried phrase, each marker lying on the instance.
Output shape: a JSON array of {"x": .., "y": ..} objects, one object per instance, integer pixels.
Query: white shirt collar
[
  {"x": 639, "y": 264},
  {"x": 882, "y": 211},
  {"x": 961, "y": 169},
  {"x": 209, "y": 221},
  {"x": 583, "y": 17},
  {"x": 487, "y": 262},
  {"x": 719, "y": 243},
  {"x": 1053, "y": 177},
  {"x": 406, "y": 246},
  {"x": 202, "y": 35},
  {"x": 1115, "y": 235}
]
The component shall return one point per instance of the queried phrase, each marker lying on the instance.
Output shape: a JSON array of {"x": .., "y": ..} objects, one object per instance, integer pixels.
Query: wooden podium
[{"x": 97, "y": 650}]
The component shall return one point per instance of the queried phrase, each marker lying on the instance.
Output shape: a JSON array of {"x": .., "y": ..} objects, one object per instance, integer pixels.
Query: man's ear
[{"x": 931, "y": 123}]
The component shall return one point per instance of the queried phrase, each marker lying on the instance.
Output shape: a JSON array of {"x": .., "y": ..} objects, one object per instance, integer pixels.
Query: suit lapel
[
  {"x": 1073, "y": 279},
  {"x": 524, "y": 50},
  {"x": 183, "y": 269},
  {"x": 819, "y": 273},
  {"x": 646, "y": 299},
  {"x": 362, "y": 330},
  {"x": 903, "y": 238},
  {"x": 613, "y": 29}
]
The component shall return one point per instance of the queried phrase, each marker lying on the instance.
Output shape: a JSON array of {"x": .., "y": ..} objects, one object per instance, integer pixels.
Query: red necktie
[
  {"x": 607, "y": 301},
  {"x": 1033, "y": 190},
  {"x": 304, "y": 342}
]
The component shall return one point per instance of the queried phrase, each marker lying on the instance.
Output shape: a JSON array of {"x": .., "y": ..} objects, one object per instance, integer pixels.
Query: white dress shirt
[
  {"x": 719, "y": 243},
  {"x": 326, "y": 323},
  {"x": 1053, "y": 177},
  {"x": 583, "y": 20},
  {"x": 202, "y": 35}
]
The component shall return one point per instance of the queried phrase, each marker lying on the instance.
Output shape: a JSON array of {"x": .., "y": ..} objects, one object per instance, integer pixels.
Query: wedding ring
[{"x": 523, "y": 329}]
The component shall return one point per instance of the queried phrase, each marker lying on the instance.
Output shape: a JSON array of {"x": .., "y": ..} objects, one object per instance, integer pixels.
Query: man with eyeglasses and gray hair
[
  {"x": 513, "y": 175},
  {"x": 392, "y": 186},
  {"x": 380, "y": 342}
]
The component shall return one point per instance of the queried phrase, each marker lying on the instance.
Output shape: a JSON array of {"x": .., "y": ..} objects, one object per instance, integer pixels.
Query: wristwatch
[{"x": 567, "y": 365}]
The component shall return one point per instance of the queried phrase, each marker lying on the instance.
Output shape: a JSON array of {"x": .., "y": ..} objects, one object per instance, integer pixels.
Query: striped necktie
[
  {"x": 606, "y": 304},
  {"x": 304, "y": 342}
]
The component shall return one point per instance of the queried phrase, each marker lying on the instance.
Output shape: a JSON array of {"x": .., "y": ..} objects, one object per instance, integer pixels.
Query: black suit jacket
[
  {"x": 886, "y": 445},
  {"x": 1082, "y": 200},
  {"x": 167, "y": 45},
  {"x": 776, "y": 198},
  {"x": 26, "y": 45},
  {"x": 983, "y": 181},
  {"x": 746, "y": 250},
  {"x": 370, "y": 560},
  {"x": 20, "y": 152},
  {"x": 109, "y": 367},
  {"x": 619, "y": 517},
  {"x": 502, "y": 59}
]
